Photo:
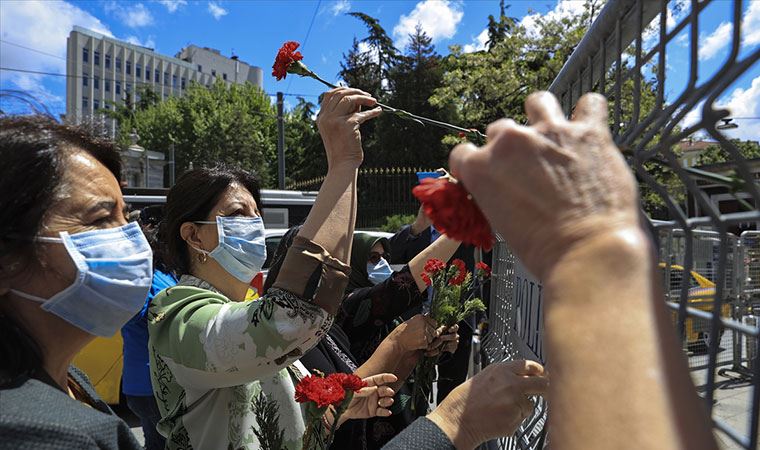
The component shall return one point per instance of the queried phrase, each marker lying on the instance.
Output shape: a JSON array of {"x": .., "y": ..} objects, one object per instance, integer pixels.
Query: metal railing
[{"x": 624, "y": 56}]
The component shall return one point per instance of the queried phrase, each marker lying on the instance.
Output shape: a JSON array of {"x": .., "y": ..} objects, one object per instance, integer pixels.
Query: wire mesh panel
[{"x": 660, "y": 98}]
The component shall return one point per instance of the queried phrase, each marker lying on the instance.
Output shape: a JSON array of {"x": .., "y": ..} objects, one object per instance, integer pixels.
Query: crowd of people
[{"x": 197, "y": 354}]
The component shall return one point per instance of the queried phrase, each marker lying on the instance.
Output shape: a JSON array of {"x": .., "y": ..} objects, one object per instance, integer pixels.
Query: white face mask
[
  {"x": 114, "y": 274},
  {"x": 377, "y": 273},
  {"x": 242, "y": 248}
]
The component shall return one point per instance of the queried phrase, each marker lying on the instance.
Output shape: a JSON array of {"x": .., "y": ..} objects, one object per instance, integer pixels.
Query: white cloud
[
  {"x": 173, "y": 5},
  {"x": 44, "y": 26},
  {"x": 716, "y": 41},
  {"x": 438, "y": 18},
  {"x": 340, "y": 7},
  {"x": 366, "y": 48},
  {"x": 479, "y": 43},
  {"x": 564, "y": 9},
  {"x": 751, "y": 24},
  {"x": 136, "y": 15},
  {"x": 744, "y": 103},
  {"x": 216, "y": 10},
  {"x": 149, "y": 43},
  {"x": 723, "y": 35}
]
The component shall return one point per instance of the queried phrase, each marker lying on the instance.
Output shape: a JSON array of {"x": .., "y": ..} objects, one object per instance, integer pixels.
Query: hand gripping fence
[{"x": 709, "y": 246}]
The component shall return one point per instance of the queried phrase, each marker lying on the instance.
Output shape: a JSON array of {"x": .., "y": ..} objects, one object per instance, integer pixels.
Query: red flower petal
[
  {"x": 461, "y": 274},
  {"x": 285, "y": 57},
  {"x": 426, "y": 278},
  {"x": 454, "y": 212},
  {"x": 348, "y": 381},
  {"x": 433, "y": 266},
  {"x": 319, "y": 390}
]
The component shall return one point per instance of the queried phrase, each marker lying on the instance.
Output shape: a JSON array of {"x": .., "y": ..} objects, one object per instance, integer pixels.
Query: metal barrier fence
[
  {"x": 383, "y": 191},
  {"x": 624, "y": 56}
]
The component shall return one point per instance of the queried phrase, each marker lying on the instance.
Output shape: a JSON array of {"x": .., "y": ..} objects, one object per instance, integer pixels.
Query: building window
[
  {"x": 129, "y": 67},
  {"x": 95, "y": 104},
  {"x": 85, "y": 80},
  {"x": 174, "y": 81},
  {"x": 85, "y": 102},
  {"x": 147, "y": 73},
  {"x": 183, "y": 83},
  {"x": 85, "y": 54},
  {"x": 224, "y": 76},
  {"x": 107, "y": 84},
  {"x": 138, "y": 70},
  {"x": 118, "y": 87},
  {"x": 108, "y": 61},
  {"x": 166, "y": 78},
  {"x": 96, "y": 82},
  {"x": 128, "y": 88},
  {"x": 96, "y": 58},
  {"x": 213, "y": 72},
  {"x": 200, "y": 68},
  {"x": 118, "y": 64},
  {"x": 158, "y": 76}
]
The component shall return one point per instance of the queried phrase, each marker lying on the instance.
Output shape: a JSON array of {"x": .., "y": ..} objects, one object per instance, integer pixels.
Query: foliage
[
  {"x": 233, "y": 124},
  {"x": 714, "y": 154},
  {"x": 393, "y": 223},
  {"x": 267, "y": 414},
  {"x": 304, "y": 152}
]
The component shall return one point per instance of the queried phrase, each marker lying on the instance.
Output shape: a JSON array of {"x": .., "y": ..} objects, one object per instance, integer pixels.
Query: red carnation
[
  {"x": 322, "y": 391},
  {"x": 426, "y": 279},
  {"x": 461, "y": 274},
  {"x": 462, "y": 134},
  {"x": 483, "y": 267},
  {"x": 285, "y": 57},
  {"x": 454, "y": 212},
  {"x": 433, "y": 266},
  {"x": 348, "y": 381}
]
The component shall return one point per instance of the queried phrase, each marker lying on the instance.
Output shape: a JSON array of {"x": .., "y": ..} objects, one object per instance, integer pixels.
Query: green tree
[
  {"x": 714, "y": 154},
  {"x": 233, "y": 124},
  {"x": 304, "y": 152}
]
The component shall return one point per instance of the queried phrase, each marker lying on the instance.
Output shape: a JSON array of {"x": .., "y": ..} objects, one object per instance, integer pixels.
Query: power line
[
  {"x": 32, "y": 49},
  {"x": 306, "y": 39},
  {"x": 65, "y": 75}
]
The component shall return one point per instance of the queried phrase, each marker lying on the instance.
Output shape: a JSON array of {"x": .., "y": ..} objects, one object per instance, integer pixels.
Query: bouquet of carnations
[
  {"x": 320, "y": 394},
  {"x": 454, "y": 289}
]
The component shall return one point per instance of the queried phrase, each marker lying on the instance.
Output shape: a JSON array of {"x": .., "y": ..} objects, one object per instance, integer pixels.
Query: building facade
[{"x": 101, "y": 71}]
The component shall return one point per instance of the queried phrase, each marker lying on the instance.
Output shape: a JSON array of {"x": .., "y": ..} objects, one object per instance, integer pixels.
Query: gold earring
[{"x": 202, "y": 258}]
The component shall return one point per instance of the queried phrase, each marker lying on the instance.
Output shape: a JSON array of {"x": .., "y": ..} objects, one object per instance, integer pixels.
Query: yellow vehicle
[{"x": 701, "y": 296}]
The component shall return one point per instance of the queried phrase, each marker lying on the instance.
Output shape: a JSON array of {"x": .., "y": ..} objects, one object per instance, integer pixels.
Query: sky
[{"x": 33, "y": 37}]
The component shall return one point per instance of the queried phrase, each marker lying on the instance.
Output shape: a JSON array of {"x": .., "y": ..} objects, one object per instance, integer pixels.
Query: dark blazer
[
  {"x": 35, "y": 413},
  {"x": 421, "y": 435}
]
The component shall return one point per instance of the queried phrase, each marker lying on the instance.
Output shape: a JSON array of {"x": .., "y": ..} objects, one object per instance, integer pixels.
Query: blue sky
[{"x": 254, "y": 30}]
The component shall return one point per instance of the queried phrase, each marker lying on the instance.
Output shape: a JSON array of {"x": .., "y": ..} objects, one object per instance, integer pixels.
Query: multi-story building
[{"x": 101, "y": 71}]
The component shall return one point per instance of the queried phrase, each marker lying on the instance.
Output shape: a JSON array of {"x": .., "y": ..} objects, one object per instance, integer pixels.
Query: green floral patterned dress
[{"x": 210, "y": 357}]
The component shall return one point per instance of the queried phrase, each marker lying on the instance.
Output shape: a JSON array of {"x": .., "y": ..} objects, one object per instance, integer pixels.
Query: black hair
[
  {"x": 34, "y": 150},
  {"x": 190, "y": 200}
]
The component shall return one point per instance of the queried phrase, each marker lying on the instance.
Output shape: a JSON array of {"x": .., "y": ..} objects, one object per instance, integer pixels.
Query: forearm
[
  {"x": 331, "y": 220},
  {"x": 602, "y": 312},
  {"x": 443, "y": 248},
  {"x": 383, "y": 360}
]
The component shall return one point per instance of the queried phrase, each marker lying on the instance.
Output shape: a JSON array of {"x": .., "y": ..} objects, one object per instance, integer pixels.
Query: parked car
[{"x": 701, "y": 296}]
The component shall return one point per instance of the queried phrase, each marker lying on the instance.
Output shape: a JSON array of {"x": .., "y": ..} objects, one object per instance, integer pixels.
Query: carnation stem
[{"x": 472, "y": 133}]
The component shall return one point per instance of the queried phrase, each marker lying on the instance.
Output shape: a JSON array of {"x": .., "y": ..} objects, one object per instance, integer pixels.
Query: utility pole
[
  {"x": 171, "y": 164},
  {"x": 280, "y": 142}
]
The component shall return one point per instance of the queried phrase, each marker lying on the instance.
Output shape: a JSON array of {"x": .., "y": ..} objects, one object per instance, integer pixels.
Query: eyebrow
[{"x": 107, "y": 205}]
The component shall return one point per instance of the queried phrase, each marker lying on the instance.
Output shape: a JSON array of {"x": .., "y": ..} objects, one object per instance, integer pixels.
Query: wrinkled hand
[
  {"x": 373, "y": 400},
  {"x": 491, "y": 404},
  {"x": 552, "y": 185},
  {"x": 338, "y": 121},
  {"x": 416, "y": 333},
  {"x": 447, "y": 341},
  {"x": 421, "y": 222}
]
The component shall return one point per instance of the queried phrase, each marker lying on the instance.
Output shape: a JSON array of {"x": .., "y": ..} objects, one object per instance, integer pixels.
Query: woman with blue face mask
[
  {"x": 211, "y": 352},
  {"x": 71, "y": 268}
]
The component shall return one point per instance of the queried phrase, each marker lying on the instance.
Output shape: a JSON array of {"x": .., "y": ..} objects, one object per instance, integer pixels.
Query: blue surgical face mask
[
  {"x": 114, "y": 273},
  {"x": 377, "y": 273},
  {"x": 242, "y": 247}
]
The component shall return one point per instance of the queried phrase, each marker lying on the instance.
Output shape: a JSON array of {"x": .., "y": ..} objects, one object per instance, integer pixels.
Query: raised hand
[{"x": 552, "y": 185}]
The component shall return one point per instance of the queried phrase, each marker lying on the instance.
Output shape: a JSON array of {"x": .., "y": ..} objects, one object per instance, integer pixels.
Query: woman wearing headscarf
[{"x": 398, "y": 353}]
